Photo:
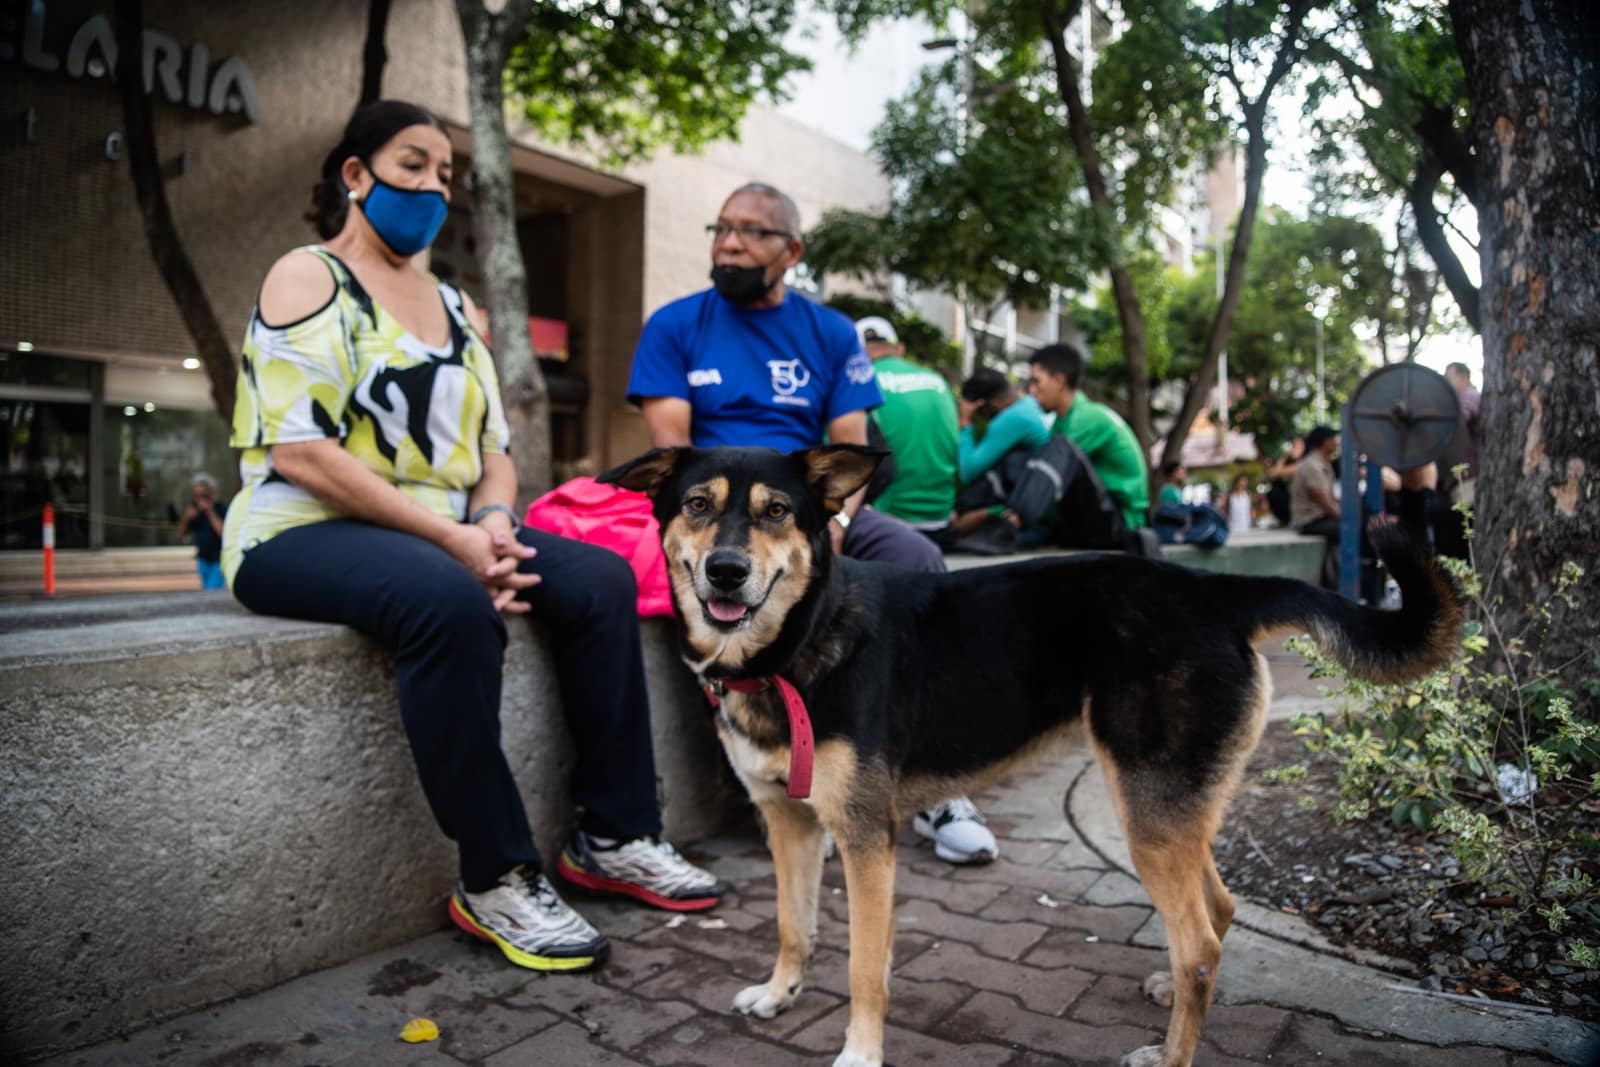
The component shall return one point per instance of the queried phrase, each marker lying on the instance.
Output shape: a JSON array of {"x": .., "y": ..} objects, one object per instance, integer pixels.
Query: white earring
[{"x": 351, "y": 195}]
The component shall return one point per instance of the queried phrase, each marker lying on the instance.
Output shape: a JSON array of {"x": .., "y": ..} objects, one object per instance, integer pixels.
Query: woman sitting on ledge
[{"x": 377, "y": 493}]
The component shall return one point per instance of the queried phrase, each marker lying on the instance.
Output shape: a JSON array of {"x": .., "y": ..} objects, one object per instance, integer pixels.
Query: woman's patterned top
[{"x": 420, "y": 418}]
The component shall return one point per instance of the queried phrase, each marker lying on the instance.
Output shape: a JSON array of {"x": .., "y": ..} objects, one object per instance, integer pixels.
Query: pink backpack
[{"x": 614, "y": 518}]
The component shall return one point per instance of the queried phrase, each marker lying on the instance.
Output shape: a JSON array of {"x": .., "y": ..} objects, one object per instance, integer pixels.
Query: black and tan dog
[{"x": 920, "y": 687}]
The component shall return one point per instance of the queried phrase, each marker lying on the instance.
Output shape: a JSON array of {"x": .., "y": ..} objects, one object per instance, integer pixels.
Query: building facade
[{"x": 104, "y": 410}]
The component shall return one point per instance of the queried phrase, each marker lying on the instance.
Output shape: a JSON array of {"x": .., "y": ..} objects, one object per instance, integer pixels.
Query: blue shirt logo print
[{"x": 788, "y": 377}]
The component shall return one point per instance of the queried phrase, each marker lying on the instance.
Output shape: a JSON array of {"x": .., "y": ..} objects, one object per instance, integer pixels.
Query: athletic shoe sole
[
  {"x": 950, "y": 855},
  {"x": 461, "y": 915},
  {"x": 595, "y": 883}
]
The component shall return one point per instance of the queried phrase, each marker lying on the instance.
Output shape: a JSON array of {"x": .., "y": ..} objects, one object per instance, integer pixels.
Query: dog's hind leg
[
  {"x": 869, "y": 878},
  {"x": 795, "y": 838}
]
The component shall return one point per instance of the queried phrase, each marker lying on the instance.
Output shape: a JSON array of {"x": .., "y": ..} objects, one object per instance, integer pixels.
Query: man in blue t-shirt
[{"x": 747, "y": 362}]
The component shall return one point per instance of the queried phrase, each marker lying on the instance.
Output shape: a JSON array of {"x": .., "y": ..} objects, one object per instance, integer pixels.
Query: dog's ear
[
  {"x": 835, "y": 471},
  {"x": 644, "y": 474}
]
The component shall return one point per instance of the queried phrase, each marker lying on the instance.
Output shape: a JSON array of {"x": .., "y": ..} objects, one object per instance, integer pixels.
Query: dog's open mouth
[{"x": 727, "y": 611}]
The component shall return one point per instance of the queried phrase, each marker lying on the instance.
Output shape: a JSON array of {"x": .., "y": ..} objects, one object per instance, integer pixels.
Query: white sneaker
[
  {"x": 957, "y": 831},
  {"x": 525, "y": 919}
]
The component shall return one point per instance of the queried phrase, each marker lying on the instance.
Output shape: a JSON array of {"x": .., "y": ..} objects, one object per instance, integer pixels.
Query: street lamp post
[{"x": 1322, "y": 402}]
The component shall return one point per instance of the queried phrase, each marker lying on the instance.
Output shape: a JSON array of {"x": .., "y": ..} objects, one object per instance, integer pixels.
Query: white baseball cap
[{"x": 876, "y": 328}]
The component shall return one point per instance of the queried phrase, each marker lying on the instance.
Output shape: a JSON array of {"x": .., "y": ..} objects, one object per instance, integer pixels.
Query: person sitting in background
[
  {"x": 202, "y": 523},
  {"x": 1178, "y": 522},
  {"x": 1001, "y": 429},
  {"x": 1088, "y": 486},
  {"x": 917, "y": 422},
  {"x": 1173, "y": 477}
]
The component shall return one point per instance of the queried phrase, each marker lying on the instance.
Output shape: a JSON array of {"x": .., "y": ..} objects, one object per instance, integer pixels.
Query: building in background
[{"x": 104, "y": 411}]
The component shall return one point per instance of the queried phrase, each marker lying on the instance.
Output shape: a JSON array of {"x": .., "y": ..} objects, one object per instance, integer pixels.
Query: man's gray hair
[
  {"x": 788, "y": 213},
  {"x": 202, "y": 478}
]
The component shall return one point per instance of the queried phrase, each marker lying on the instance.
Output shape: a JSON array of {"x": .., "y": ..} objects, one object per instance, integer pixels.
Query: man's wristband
[
  {"x": 842, "y": 519},
  {"x": 489, "y": 509}
]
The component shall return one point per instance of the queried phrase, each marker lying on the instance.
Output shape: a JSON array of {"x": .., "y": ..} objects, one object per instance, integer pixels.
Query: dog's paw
[
  {"x": 759, "y": 1000},
  {"x": 848, "y": 1058},
  {"x": 1158, "y": 987},
  {"x": 1149, "y": 1056}
]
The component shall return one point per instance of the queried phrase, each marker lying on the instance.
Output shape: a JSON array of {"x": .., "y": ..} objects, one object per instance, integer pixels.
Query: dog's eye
[
  {"x": 775, "y": 510},
  {"x": 697, "y": 505}
]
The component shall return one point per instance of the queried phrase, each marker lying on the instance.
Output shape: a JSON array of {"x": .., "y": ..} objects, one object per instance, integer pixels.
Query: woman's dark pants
[{"x": 449, "y": 651}]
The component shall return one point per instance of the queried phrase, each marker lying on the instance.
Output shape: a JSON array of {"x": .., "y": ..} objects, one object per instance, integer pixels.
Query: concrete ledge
[
  {"x": 1282, "y": 553},
  {"x": 201, "y": 803}
]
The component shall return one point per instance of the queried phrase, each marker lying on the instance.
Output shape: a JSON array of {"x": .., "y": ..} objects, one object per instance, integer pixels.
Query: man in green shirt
[
  {"x": 918, "y": 422},
  {"x": 1087, "y": 487},
  {"x": 1054, "y": 373}
]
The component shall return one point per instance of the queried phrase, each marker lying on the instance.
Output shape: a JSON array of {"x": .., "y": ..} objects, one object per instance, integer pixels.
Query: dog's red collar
[{"x": 802, "y": 747}]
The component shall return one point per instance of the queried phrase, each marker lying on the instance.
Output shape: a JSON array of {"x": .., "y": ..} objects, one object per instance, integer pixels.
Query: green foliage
[
  {"x": 1295, "y": 265},
  {"x": 924, "y": 342},
  {"x": 1443, "y": 754},
  {"x": 626, "y": 79},
  {"x": 984, "y": 207}
]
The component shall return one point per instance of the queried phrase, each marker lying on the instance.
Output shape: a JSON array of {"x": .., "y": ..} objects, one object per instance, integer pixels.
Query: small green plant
[{"x": 1491, "y": 751}]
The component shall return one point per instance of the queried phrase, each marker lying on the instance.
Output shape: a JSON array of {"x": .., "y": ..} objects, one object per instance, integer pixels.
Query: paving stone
[
  {"x": 1024, "y": 863},
  {"x": 712, "y": 990},
  {"x": 565, "y": 1043},
  {"x": 1063, "y": 948},
  {"x": 1047, "y": 992},
  {"x": 1107, "y": 923},
  {"x": 1114, "y": 999},
  {"x": 717, "y": 1042},
  {"x": 749, "y": 954},
  {"x": 1115, "y": 888},
  {"x": 1308, "y": 1039},
  {"x": 912, "y": 884},
  {"x": 475, "y": 1027},
  {"x": 1005, "y": 940},
  {"x": 633, "y": 962},
  {"x": 999, "y": 1019},
  {"x": 622, "y": 1018},
  {"x": 902, "y": 1045},
  {"x": 704, "y": 981},
  {"x": 829, "y": 967},
  {"x": 1244, "y": 1031}
]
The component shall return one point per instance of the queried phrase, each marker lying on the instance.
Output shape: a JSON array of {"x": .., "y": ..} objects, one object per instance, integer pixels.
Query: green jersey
[
  {"x": 1114, "y": 453},
  {"x": 918, "y": 419}
]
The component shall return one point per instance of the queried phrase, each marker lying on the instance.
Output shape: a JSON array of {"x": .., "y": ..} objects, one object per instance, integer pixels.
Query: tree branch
[{"x": 1431, "y": 233}]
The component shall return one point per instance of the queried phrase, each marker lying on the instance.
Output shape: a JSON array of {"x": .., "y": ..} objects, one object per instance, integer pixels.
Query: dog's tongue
[{"x": 726, "y": 610}]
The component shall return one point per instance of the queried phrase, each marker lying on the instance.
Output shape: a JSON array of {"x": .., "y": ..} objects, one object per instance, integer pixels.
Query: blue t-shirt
[{"x": 754, "y": 376}]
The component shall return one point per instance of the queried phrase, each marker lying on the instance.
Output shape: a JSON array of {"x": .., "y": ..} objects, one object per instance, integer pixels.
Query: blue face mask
[{"x": 407, "y": 220}]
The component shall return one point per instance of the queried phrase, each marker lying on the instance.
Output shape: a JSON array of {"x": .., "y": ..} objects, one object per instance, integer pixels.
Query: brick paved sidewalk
[{"x": 1035, "y": 959}]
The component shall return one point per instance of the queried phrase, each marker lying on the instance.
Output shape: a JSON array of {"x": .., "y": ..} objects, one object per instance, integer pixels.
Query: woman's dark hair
[
  {"x": 986, "y": 384},
  {"x": 368, "y": 130}
]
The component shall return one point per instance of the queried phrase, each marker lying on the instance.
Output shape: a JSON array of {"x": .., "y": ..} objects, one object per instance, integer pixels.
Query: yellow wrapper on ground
[{"x": 419, "y": 1030}]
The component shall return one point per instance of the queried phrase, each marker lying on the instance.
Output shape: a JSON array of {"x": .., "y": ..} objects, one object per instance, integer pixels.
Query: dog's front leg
[
  {"x": 795, "y": 838},
  {"x": 869, "y": 879}
]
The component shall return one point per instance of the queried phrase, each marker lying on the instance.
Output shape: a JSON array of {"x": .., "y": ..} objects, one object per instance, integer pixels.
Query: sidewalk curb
[{"x": 1277, "y": 960}]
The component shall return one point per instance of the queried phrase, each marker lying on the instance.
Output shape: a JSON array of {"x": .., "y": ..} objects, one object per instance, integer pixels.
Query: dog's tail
[{"x": 1379, "y": 646}]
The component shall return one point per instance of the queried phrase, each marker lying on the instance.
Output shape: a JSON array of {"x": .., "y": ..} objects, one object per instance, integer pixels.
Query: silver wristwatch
[
  {"x": 489, "y": 509},
  {"x": 842, "y": 519}
]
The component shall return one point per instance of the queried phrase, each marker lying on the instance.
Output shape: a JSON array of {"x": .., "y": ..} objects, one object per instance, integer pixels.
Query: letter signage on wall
[{"x": 184, "y": 75}]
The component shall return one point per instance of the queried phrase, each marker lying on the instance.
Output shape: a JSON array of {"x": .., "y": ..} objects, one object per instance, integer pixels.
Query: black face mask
[{"x": 741, "y": 285}]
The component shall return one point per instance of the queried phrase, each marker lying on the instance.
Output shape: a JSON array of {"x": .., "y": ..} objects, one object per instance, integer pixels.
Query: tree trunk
[
  {"x": 374, "y": 55},
  {"x": 1533, "y": 77},
  {"x": 1255, "y": 112},
  {"x": 1431, "y": 232},
  {"x": 166, "y": 247},
  {"x": 1108, "y": 233},
  {"x": 489, "y": 38}
]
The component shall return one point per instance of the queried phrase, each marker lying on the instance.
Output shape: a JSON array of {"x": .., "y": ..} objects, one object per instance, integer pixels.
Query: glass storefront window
[
  {"x": 24, "y": 368},
  {"x": 149, "y": 458},
  {"x": 45, "y": 461}
]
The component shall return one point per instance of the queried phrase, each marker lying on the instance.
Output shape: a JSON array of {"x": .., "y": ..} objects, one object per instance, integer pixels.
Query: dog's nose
[{"x": 727, "y": 569}]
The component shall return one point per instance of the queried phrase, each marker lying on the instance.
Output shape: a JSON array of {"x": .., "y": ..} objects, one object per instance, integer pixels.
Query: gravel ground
[{"x": 1389, "y": 890}]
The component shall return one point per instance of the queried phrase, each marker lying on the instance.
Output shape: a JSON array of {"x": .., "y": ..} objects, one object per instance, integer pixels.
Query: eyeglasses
[{"x": 718, "y": 230}]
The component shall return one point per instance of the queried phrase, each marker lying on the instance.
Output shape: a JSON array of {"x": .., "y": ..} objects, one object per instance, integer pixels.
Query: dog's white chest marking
[{"x": 764, "y": 771}]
